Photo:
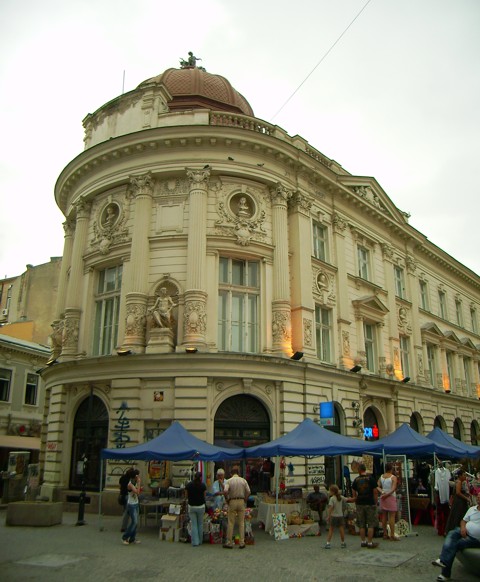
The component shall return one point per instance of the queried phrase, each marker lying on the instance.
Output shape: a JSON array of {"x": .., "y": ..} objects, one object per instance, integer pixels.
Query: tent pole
[
  {"x": 277, "y": 478},
  {"x": 100, "y": 525}
]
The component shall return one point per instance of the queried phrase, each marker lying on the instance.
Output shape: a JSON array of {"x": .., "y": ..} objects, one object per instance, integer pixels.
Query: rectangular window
[
  {"x": 424, "y": 304},
  {"x": 5, "y": 383},
  {"x": 323, "y": 330},
  {"x": 320, "y": 241},
  {"x": 473, "y": 320},
  {"x": 370, "y": 346},
  {"x": 238, "y": 299},
  {"x": 363, "y": 263},
  {"x": 405, "y": 354},
  {"x": 399, "y": 282},
  {"x": 31, "y": 389},
  {"x": 450, "y": 370},
  {"x": 442, "y": 302},
  {"x": 459, "y": 312},
  {"x": 432, "y": 368},
  {"x": 107, "y": 308}
]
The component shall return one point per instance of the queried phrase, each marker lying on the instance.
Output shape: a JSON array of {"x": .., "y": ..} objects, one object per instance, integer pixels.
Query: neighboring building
[
  {"x": 28, "y": 302},
  {"x": 204, "y": 248},
  {"x": 21, "y": 398}
]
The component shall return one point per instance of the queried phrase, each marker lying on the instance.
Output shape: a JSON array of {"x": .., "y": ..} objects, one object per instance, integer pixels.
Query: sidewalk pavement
[{"x": 94, "y": 552}]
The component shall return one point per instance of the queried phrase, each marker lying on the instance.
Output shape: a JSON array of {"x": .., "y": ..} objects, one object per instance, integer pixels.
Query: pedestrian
[
  {"x": 335, "y": 515},
  {"x": 218, "y": 490},
  {"x": 317, "y": 501},
  {"x": 123, "y": 496},
  {"x": 460, "y": 502},
  {"x": 237, "y": 492},
  {"x": 387, "y": 487},
  {"x": 195, "y": 492},
  {"x": 460, "y": 538},
  {"x": 365, "y": 497},
  {"x": 134, "y": 490}
]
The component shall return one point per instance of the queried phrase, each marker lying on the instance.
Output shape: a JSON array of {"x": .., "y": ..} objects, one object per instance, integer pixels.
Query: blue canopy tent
[
  {"x": 308, "y": 439},
  {"x": 174, "y": 444},
  {"x": 408, "y": 442},
  {"x": 442, "y": 438}
]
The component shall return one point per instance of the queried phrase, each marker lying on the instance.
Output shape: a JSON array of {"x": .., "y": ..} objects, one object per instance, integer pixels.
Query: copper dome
[{"x": 194, "y": 88}]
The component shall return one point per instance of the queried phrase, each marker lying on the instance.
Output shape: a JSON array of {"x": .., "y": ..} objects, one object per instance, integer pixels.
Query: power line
[{"x": 322, "y": 59}]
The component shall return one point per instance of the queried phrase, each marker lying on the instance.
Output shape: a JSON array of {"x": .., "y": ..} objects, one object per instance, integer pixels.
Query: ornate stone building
[{"x": 203, "y": 249}]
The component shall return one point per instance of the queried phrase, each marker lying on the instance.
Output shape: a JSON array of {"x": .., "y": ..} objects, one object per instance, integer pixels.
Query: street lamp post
[{"x": 83, "y": 493}]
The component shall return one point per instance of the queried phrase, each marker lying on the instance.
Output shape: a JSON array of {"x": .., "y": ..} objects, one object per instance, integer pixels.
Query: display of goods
[{"x": 295, "y": 518}]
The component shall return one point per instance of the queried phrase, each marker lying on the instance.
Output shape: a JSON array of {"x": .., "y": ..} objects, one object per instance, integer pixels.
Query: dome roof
[{"x": 194, "y": 88}]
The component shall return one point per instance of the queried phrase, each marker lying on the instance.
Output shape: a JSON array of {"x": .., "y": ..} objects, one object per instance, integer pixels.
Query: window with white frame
[
  {"x": 459, "y": 312},
  {"x": 405, "y": 354},
  {"x": 323, "y": 331},
  {"x": 399, "y": 275},
  {"x": 320, "y": 241},
  {"x": 442, "y": 303},
  {"x": 238, "y": 305},
  {"x": 370, "y": 333},
  {"x": 432, "y": 363},
  {"x": 424, "y": 303},
  {"x": 450, "y": 369},
  {"x": 363, "y": 257},
  {"x": 31, "y": 389},
  {"x": 473, "y": 319},
  {"x": 5, "y": 383},
  {"x": 107, "y": 308}
]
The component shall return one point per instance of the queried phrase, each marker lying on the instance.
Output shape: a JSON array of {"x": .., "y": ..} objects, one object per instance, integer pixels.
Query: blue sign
[{"x": 327, "y": 414}]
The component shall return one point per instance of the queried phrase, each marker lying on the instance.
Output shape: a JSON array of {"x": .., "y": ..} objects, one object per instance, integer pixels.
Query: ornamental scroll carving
[
  {"x": 307, "y": 331},
  {"x": 339, "y": 223},
  {"x": 281, "y": 327},
  {"x": 135, "y": 320},
  {"x": 195, "y": 318},
  {"x": 198, "y": 177}
]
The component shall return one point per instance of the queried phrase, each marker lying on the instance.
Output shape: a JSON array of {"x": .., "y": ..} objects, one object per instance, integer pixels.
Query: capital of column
[
  {"x": 83, "y": 209},
  {"x": 279, "y": 195},
  {"x": 68, "y": 228},
  {"x": 300, "y": 202},
  {"x": 142, "y": 184},
  {"x": 339, "y": 223},
  {"x": 198, "y": 178}
]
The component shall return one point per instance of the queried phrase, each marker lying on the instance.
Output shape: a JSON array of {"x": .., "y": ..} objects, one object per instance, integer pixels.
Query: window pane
[
  {"x": 5, "y": 380},
  {"x": 252, "y": 274},
  {"x": 252, "y": 323},
  {"x": 237, "y": 323},
  {"x": 223, "y": 270},
  {"x": 222, "y": 320},
  {"x": 238, "y": 270}
]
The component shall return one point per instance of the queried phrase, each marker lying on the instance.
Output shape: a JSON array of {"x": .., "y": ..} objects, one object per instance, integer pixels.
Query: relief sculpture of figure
[
  {"x": 243, "y": 208},
  {"x": 161, "y": 311}
]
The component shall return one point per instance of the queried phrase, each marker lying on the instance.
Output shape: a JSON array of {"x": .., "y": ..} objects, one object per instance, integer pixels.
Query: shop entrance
[
  {"x": 90, "y": 434},
  {"x": 243, "y": 421}
]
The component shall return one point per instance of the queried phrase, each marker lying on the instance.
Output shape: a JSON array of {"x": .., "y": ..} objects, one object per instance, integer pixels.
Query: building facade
[{"x": 219, "y": 272}]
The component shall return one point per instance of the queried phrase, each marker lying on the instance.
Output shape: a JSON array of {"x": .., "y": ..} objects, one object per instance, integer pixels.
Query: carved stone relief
[
  {"x": 281, "y": 327},
  {"x": 195, "y": 317},
  {"x": 241, "y": 214},
  {"x": 346, "y": 343},
  {"x": 404, "y": 325},
  {"x": 307, "y": 331},
  {"x": 110, "y": 222}
]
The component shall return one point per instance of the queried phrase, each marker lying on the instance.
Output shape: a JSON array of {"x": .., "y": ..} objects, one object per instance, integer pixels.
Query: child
[{"x": 335, "y": 515}]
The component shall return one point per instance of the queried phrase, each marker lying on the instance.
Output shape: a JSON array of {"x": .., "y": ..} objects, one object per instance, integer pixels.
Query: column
[
  {"x": 57, "y": 324},
  {"x": 195, "y": 311},
  {"x": 303, "y": 307},
  {"x": 137, "y": 295},
  {"x": 339, "y": 227},
  {"x": 281, "y": 310},
  {"x": 75, "y": 286}
]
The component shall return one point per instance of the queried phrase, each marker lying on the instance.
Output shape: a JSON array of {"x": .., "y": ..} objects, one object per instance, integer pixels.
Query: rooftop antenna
[{"x": 123, "y": 82}]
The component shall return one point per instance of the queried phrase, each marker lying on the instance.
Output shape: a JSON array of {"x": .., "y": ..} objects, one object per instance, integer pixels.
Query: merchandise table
[
  {"x": 154, "y": 505},
  {"x": 420, "y": 509},
  {"x": 266, "y": 510}
]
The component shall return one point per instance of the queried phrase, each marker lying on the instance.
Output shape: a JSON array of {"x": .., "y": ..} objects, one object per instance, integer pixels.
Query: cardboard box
[{"x": 171, "y": 521}]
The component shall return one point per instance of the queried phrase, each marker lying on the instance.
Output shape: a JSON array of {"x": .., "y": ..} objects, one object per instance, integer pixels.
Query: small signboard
[{"x": 327, "y": 414}]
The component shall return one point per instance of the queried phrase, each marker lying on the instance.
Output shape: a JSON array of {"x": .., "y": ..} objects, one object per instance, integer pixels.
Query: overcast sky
[{"x": 397, "y": 98}]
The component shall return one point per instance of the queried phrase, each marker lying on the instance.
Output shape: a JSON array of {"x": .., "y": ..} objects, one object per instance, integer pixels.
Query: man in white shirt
[{"x": 460, "y": 538}]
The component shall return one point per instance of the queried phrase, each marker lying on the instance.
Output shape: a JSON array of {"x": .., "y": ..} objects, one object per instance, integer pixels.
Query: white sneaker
[
  {"x": 441, "y": 578},
  {"x": 439, "y": 563}
]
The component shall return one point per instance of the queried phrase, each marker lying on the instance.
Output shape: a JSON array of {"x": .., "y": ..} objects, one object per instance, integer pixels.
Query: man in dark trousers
[{"x": 365, "y": 497}]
